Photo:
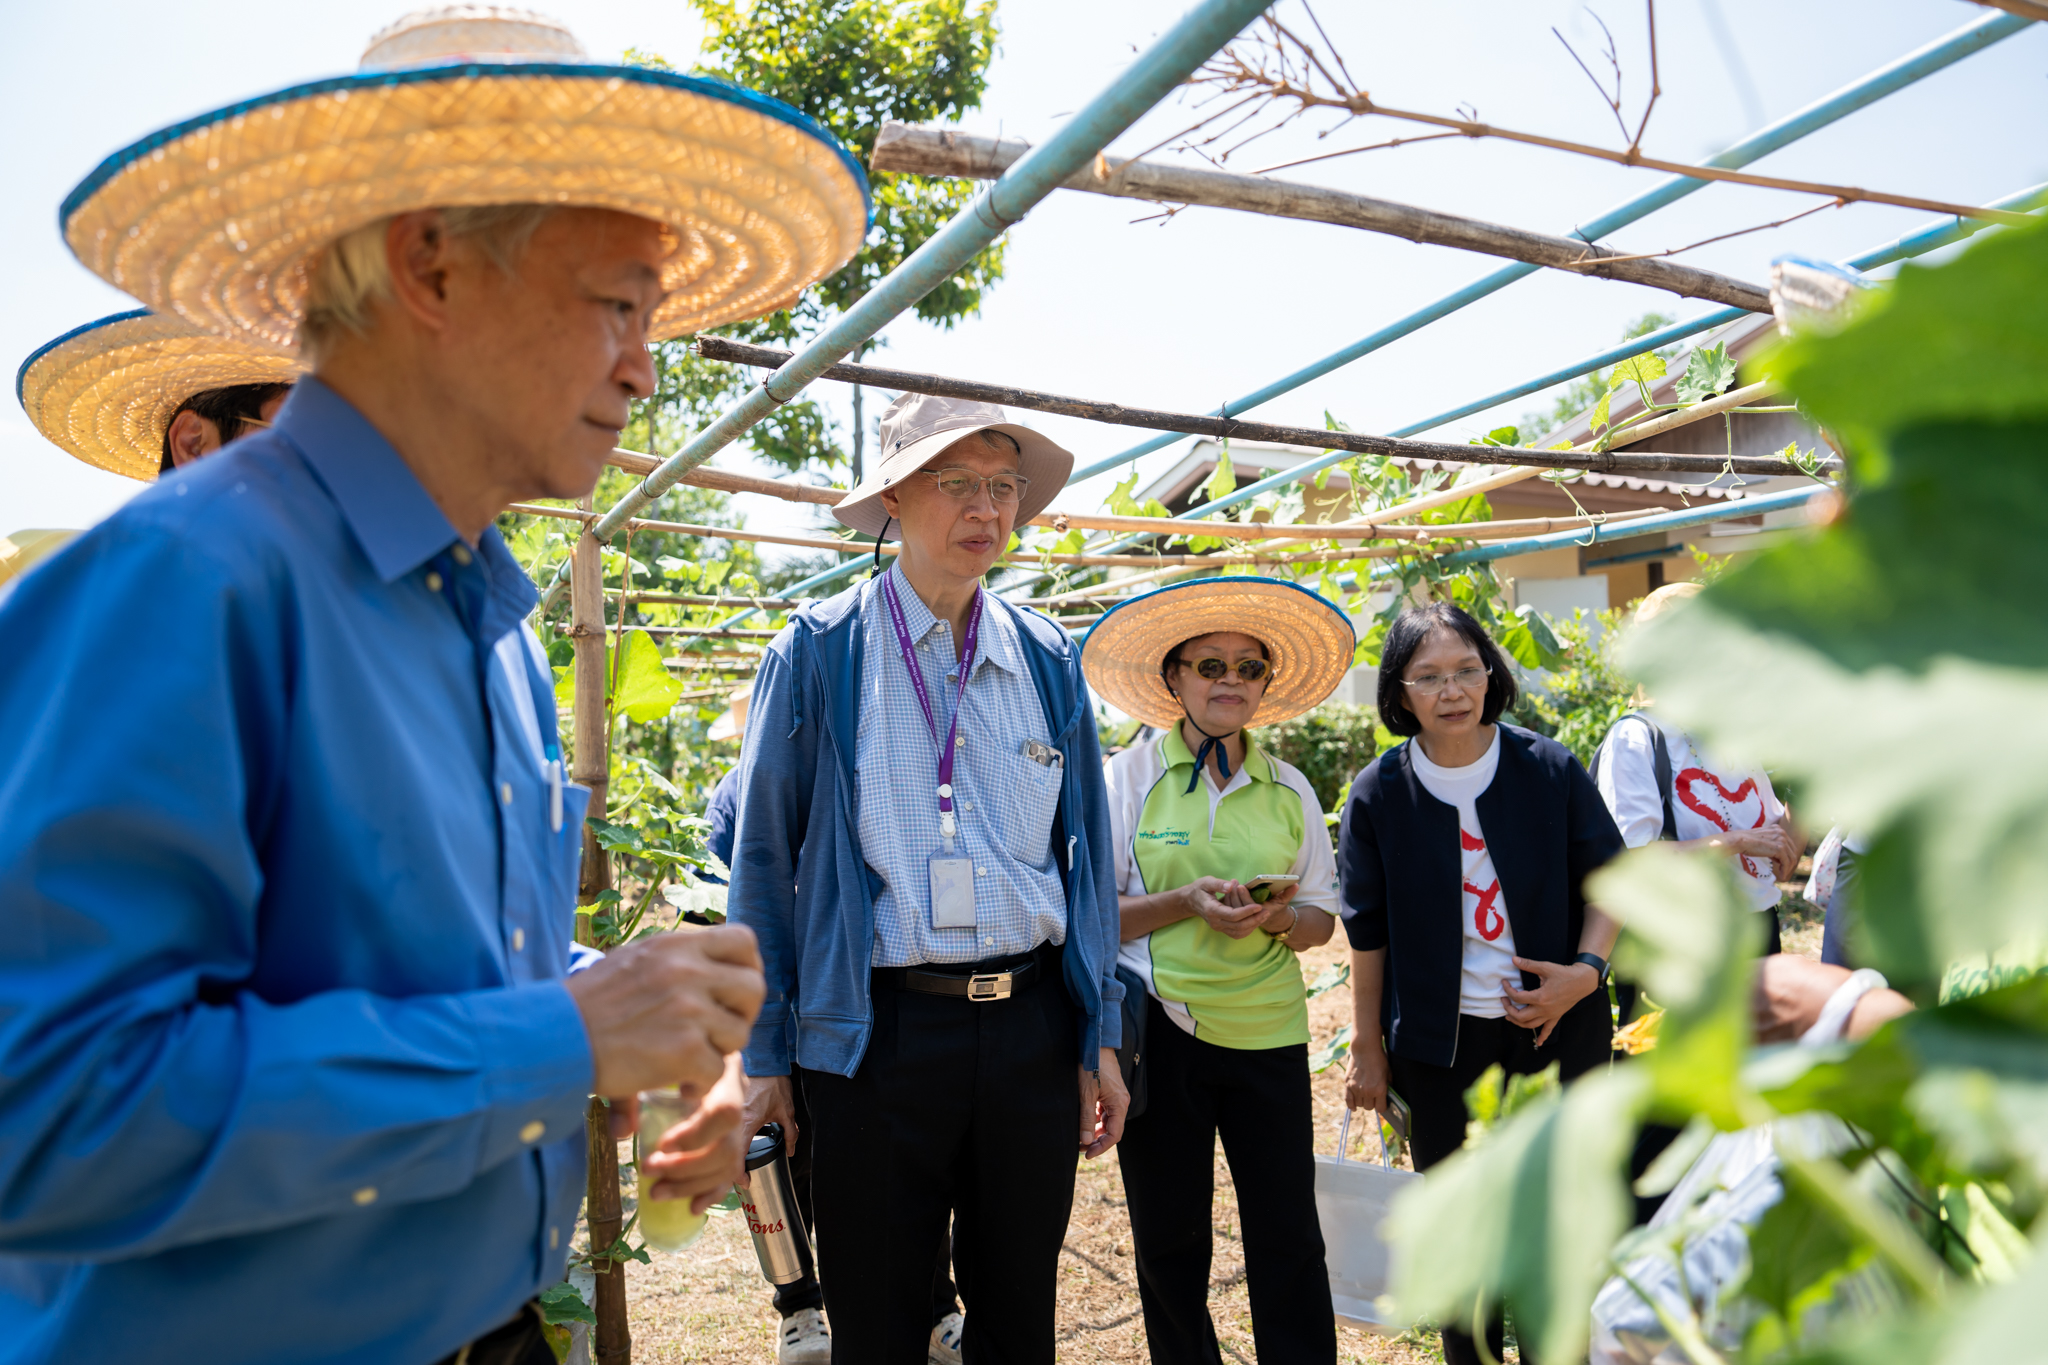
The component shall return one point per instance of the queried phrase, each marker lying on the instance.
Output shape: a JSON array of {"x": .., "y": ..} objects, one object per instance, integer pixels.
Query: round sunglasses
[{"x": 1212, "y": 669}]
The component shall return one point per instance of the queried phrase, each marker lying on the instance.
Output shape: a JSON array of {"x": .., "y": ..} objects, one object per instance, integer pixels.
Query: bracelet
[
  {"x": 1834, "y": 1015},
  {"x": 1292, "y": 925}
]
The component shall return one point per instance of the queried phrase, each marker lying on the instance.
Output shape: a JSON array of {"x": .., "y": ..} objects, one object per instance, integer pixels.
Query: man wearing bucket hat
[
  {"x": 290, "y": 1069},
  {"x": 921, "y": 819},
  {"x": 1225, "y": 874},
  {"x": 804, "y": 1338}
]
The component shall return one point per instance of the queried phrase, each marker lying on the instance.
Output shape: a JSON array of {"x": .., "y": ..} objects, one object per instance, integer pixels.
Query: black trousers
[
  {"x": 1581, "y": 1041},
  {"x": 972, "y": 1109},
  {"x": 805, "y": 1293},
  {"x": 1259, "y": 1102},
  {"x": 518, "y": 1342}
]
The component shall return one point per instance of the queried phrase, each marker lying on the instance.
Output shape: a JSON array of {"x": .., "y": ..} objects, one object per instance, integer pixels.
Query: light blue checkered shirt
[{"x": 1004, "y": 802}]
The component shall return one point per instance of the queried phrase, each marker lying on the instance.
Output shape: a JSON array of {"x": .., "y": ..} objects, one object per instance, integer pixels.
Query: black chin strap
[
  {"x": 878, "y": 544},
  {"x": 1209, "y": 742}
]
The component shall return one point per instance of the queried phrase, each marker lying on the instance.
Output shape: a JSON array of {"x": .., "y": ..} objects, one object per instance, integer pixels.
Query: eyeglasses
[
  {"x": 1248, "y": 670},
  {"x": 965, "y": 483},
  {"x": 1466, "y": 680}
]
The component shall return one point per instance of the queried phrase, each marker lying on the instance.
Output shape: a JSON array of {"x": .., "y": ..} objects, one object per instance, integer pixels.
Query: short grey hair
[{"x": 353, "y": 274}]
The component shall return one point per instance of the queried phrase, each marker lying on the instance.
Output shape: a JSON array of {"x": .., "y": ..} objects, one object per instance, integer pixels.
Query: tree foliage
[
  {"x": 851, "y": 65},
  {"x": 1916, "y": 602},
  {"x": 1577, "y": 702},
  {"x": 1330, "y": 745}
]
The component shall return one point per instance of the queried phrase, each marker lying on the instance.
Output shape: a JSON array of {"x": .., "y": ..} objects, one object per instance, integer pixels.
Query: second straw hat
[
  {"x": 106, "y": 391},
  {"x": 1308, "y": 639},
  {"x": 217, "y": 218}
]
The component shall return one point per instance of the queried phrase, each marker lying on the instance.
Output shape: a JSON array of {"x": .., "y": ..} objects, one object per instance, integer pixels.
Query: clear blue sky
[{"x": 1212, "y": 304}]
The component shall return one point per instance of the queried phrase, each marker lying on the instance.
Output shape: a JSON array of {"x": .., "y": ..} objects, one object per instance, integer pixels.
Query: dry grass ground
[{"x": 710, "y": 1305}]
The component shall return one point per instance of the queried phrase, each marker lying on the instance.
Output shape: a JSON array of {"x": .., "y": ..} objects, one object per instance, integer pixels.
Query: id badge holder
[{"x": 952, "y": 879}]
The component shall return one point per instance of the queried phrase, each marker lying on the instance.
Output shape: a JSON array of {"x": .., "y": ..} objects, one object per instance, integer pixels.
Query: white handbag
[{"x": 1352, "y": 1199}]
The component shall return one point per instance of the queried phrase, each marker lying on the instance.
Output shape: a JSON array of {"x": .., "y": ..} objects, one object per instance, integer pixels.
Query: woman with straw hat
[
  {"x": 289, "y": 989},
  {"x": 1225, "y": 874},
  {"x": 140, "y": 394}
]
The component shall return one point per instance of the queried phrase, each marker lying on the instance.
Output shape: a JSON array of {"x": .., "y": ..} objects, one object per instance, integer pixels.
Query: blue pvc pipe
[
  {"x": 1938, "y": 234},
  {"x": 1886, "y": 80},
  {"x": 1641, "y": 526},
  {"x": 1192, "y": 41}
]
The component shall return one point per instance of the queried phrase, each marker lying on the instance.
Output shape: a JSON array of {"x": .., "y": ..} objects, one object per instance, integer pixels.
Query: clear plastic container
[{"x": 665, "y": 1224}]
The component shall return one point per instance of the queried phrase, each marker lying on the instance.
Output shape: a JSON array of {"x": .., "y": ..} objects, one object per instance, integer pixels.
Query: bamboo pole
[
  {"x": 611, "y": 1339},
  {"x": 2025, "y": 9},
  {"x": 698, "y": 600},
  {"x": 1361, "y": 105},
  {"x": 946, "y": 152},
  {"x": 1356, "y": 442}
]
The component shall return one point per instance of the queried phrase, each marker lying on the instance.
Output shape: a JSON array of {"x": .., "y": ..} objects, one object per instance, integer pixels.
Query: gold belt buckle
[{"x": 994, "y": 986}]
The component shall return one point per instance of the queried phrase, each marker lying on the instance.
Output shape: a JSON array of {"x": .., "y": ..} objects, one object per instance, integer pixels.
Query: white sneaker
[
  {"x": 946, "y": 1340},
  {"x": 805, "y": 1339}
]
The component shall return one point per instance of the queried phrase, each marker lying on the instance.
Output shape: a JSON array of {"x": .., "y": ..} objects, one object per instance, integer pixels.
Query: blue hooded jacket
[{"x": 799, "y": 880}]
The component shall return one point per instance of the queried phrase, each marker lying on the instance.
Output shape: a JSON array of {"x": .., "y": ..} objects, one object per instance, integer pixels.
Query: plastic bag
[{"x": 1352, "y": 1199}]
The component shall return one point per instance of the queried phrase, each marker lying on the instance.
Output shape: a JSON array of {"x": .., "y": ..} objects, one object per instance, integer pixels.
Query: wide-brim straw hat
[
  {"x": 918, "y": 427},
  {"x": 1308, "y": 638},
  {"x": 105, "y": 392},
  {"x": 731, "y": 723},
  {"x": 217, "y": 218}
]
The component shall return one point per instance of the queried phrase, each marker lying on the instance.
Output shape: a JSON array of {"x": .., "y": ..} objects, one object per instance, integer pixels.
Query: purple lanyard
[{"x": 924, "y": 701}]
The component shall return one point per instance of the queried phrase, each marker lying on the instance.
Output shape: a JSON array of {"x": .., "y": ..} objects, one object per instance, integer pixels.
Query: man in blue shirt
[{"x": 289, "y": 1069}]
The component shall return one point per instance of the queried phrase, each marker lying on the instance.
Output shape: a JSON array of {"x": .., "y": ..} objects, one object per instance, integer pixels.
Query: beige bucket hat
[
  {"x": 218, "y": 219},
  {"x": 1310, "y": 641},
  {"x": 918, "y": 427},
  {"x": 105, "y": 392}
]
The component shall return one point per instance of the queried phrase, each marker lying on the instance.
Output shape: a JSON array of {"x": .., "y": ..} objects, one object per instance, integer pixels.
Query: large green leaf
[
  {"x": 1710, "y": 370},
  {"x": 641, "y": 686},
  {"x": 1690, "y": 942},
  {"x": 1536, "y": 1208},
  {"x": 645, "y": 690},
  {"x": 1797, "y": 1255},
  {"x": 1915, "y": 608},
  {"x": 1959, "y": 342},
  {"x": 1952, "y": 1089}
]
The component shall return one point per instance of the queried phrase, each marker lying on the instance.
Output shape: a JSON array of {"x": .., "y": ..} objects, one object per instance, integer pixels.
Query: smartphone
[
  {"x": 1398, "y": 1116},
  {"x": 1262, "y": 886}
]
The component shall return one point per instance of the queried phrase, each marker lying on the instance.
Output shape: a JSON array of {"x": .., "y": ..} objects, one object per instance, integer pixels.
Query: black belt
[{"x": 995, "y": 979}]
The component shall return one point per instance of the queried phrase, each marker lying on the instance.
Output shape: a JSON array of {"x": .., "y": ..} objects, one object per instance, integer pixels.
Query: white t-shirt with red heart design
[
  {"x": 1489, "y": 943},
  {"x": 1707, "y": 799}
]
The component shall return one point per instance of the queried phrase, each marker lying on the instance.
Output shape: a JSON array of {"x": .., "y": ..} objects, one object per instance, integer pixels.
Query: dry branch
[
  {"x": 1236, "y": 428},
  {"x": 935, "y": 151},
  {"x": 1233, "y": 72}
]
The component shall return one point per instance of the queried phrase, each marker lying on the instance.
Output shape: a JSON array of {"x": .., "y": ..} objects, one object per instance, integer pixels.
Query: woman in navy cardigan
[{"x": 1460, "y": 862}]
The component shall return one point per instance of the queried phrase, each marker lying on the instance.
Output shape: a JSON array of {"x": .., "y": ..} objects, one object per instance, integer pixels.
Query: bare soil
[{"x": 709, "y": 1304}]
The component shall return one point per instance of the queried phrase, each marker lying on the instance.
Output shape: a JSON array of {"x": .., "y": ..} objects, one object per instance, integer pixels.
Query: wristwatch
[
  {"x": 1292, "y": 925},
  {"x": 1596, "y": 962}
]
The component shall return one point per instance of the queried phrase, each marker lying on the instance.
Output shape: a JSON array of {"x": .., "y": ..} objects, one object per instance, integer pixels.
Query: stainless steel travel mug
[{"x": 781, "y": 1241}]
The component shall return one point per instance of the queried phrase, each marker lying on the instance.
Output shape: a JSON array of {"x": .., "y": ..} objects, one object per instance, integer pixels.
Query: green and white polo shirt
[{"x": 1238, "y": 993}]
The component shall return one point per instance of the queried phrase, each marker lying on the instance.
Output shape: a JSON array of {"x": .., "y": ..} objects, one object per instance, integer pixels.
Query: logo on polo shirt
[{"x": 1177, "y": 837}]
